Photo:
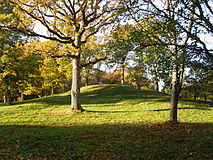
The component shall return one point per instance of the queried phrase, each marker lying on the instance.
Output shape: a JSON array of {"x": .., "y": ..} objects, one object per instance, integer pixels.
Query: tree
[
  {"x": 151, "y": 49},
  {"x": 155, "y": 62},
  {"x": 199, "y": 80},
  {"x": 137, "y": 76},
  {"x": 119, "y": 47},
  {"x": 189, "y": 21},
  {"x": 54, "y": 73},
  {"x": 93, "y": 51},
  {"x": 165, "y": 31},
  {"x": 28, "y": 73},
  {"x": 68, "y": 22},
  {"x": 9, "y": 55},
  {"x": 15, "y": 72}
]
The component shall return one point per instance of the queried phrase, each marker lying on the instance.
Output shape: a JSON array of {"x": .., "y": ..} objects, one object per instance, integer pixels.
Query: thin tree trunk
[
  {"x": 174, "y": 96},
  {"x": 87, "y": 77},
  {"x": 75, "y": 91},
  {"x": 52, "y": 90},
  {"x": 157, "y": 86},
  {"x": 180, "y": 78},
  {"x": 174, "y": 83},
  {"x": 87, "y": 81},
  {"x": 156, "y": 78},
  {"x": 22, "y": 96},
  {"x": 195, "y": 96},
  {"x": 205, "y": 98},
  {"x": 176, "y": 89},
  {"x": 7, "y": 99},
  {"x": 195, "y": 93},
  {"x": 123, "y": 75}
]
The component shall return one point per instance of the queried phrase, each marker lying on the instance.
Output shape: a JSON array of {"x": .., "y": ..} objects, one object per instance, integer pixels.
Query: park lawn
[{"x": 120, "y": 122}]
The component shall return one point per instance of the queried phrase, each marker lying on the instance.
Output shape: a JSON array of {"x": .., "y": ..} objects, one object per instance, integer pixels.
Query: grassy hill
[{"x": 120, "y": 122}]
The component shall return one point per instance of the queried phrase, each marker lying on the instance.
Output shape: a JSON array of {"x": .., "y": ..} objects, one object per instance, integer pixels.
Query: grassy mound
[{"x": 120, "y": 122}]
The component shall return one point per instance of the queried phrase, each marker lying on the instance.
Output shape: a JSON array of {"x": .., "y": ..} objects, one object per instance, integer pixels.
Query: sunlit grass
[{"x": 120, "y": 122}]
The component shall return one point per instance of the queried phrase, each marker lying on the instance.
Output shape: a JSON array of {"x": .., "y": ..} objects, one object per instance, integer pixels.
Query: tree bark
[
  {"x": 22, "y": 97},
  {"x": 195, "y": 93},
  {"x": 87, "y": 81},
  {"x": 156, "y": 78},
  {"x": 157, "y": 86},
  {"x": 174, "y": 95},
  {"x": 87, "y": 77},
  {"x": 52, "y": 90},
  {"x": 7, "y": 98},
  {"x": 205, "y": 98},
  {"x": 195, "y": 96},
  {"x": 123, "y": 75},
  {"x": 175, "y": 83},
  {"x": 75, "y": 91}
]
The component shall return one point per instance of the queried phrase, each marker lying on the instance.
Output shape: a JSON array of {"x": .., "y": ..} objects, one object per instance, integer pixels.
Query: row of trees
[{"x": 159, "y": 39}]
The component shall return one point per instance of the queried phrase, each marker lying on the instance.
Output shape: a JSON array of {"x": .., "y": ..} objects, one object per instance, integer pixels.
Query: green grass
[{"x": 120, "y": 122}]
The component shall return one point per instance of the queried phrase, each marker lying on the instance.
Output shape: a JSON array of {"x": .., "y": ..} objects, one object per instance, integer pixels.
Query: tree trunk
[
  {"x": 205, "y": 98},
  {"x": 174, "y": 96},
  {"x": 52, "y": 90},
  {"x": 180, "y": 78},
  {"x": 157, "y": 86},
  {"x": 87, "y": 81},
  {"x": 87, "y": 77},
  {"x": 123, "y": 75},
  {"x": 156, "y": 77},
  {"x": 7, "y": 98},
  {"x": 175, "y": 84},
  {"x": 75, "y": 91},
  {"x": 195, "y": 93},
  {"x": 195, "y": 96},
  {"x": 22, "y": 97}
]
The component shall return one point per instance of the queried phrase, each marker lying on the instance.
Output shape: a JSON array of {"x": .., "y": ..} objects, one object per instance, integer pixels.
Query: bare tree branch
[
  {"x": 94, "y": 62},
  {"x": 64, "y": 55}
]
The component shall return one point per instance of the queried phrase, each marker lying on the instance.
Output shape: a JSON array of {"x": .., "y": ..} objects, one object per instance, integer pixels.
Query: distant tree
[
  {"x": 17, "y": 72},
  {"x": 157, "y": 64},
  {"x": 10, "y": 55},
  {"x": 52, "y": 74},
  {"x": 119, "y": 48},
  {"x": 93, "y": 51},
  {"x": 100, "y": 77},
  {"x": 199, "y": 81},
  {"x": 8, "y": 75},
  {"x": 137, "y": 76},
  {"x": 28, "y": 72}
]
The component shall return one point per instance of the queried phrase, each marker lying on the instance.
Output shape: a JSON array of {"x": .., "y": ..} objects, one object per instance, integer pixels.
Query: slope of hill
[
  {"x": 104, "y": 104},
  {"x": 120, "y": 122}
]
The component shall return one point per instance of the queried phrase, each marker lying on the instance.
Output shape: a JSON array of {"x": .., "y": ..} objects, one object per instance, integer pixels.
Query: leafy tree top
[{"x": 66, "y": 21}]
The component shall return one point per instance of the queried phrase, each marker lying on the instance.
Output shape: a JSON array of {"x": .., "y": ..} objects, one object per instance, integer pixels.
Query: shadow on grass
[
  {"x": 197, "y": 101},
  {"x": 136, "y": 141},
  {"x": 119, "y": 111},
  {"x": 196, "y": 108}
]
